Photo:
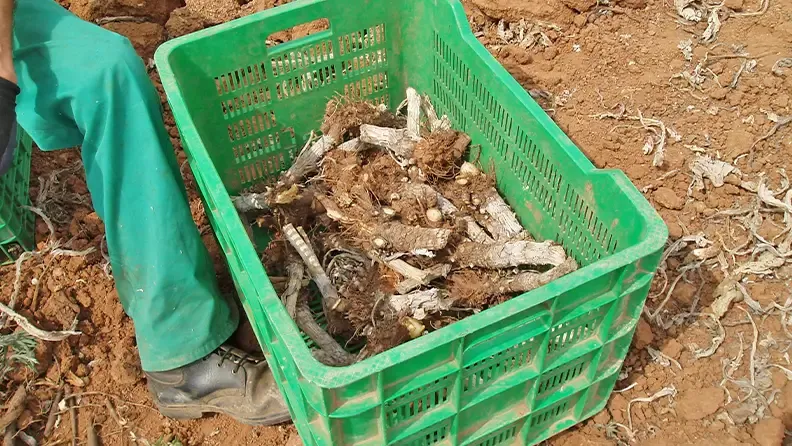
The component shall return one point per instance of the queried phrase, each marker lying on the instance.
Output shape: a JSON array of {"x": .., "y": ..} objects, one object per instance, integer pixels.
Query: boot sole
[{"x": 194, "y": 413}]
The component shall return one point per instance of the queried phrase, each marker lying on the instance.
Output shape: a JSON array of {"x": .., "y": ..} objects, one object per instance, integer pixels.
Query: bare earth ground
[{"x": 582, "y": 61}]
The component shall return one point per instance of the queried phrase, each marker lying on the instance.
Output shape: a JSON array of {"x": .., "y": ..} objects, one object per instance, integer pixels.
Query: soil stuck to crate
[{"x": 399, "y": 235}]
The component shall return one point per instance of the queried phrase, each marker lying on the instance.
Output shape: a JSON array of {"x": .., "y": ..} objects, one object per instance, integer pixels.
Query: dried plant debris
[
  {"x": 778, "y": 67},
  {"x": 525, "y": 34},
  {"x": 696, "y": 11},
  {"x": 658, "y": 132},
  {"x": 714, "y": 170},
  {"x": 399, "y": 234}
]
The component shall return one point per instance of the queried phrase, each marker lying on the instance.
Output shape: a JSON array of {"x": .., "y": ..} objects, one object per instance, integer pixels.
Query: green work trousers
[{"x": 85, "y": 86}]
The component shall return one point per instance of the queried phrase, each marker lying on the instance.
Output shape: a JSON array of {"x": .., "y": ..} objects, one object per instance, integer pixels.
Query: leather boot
[{"x": 227, "y": 381}]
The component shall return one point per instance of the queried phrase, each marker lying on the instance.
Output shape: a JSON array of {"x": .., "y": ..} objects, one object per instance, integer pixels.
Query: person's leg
[{"x": 83, "y": 85}]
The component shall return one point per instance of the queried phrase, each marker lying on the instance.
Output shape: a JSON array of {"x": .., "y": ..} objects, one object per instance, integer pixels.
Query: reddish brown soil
[{"x": 596, "y": 61}]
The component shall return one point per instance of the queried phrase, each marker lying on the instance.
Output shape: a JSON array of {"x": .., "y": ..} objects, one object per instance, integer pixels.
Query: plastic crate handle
[
  {"x": 521, "y": 331},
  {"x": 293, "y": 14}
]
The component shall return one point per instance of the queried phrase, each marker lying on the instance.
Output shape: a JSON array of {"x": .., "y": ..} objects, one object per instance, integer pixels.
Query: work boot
[{"x": 227, "y": 381}]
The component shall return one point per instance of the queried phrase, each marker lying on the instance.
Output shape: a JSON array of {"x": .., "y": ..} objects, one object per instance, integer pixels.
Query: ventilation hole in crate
[
  {"x": 453, "y": 74},
  {"x": 256, "y": 148},
  {"x": 417, "y": 402},
  {"x": 548, "y": 416},
  {"x": 504, "y": 436},
  {"x": 480, "y": 374},
  {"x": 246, "y": 101},
  {"x": 375, "y": 60},
  {"x": 305, "y": 82},
  {"x": 428, "y": 439},
  {"x": 239, "y": 78},
  {"x": 302, "y": 59},
  {"x": 573, "y": 332},
  {"x": 556, "y": 378},
  {"x": 376, "y": 84},
  {"x": 256, "y": 124},
  {"x": 446, "y": 106},
  {"x": 262, "y": 168},
  {"x": 360, "y": 40}
]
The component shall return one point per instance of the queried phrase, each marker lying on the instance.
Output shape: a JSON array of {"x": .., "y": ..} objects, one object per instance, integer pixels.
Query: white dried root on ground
[
  {"x": 655, "y": 141},
  {"x": 780, "y": 64},
  {"x": 525, "y": 34},
  {"x": 714, "y": 170}
]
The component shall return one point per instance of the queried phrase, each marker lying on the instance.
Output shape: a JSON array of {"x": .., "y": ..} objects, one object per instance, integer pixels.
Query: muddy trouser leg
[{"x": 84, "y": 85}]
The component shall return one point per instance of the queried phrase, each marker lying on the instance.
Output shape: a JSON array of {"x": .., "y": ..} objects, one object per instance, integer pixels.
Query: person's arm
[{"x": 8, "y": 81}]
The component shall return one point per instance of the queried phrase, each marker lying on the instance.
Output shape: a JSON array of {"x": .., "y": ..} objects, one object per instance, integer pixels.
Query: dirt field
[{"x": 621, "y": 80}]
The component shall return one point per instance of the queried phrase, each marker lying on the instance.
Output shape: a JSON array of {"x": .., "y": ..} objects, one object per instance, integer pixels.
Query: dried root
[
  {"x": 403, "y": 238},
  {"x": 502, "y": 224},
  {"x": 402, "y": 231},
  {"x": 509, "y": 254},
  {"x": 656, "y": 142},
  {"x": 419, "y": 304},
  {"x": 300, "y": 244}
]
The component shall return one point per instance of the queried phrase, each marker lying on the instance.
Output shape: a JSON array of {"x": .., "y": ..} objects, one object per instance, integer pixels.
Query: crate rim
[{"x": 313, "y": 370}]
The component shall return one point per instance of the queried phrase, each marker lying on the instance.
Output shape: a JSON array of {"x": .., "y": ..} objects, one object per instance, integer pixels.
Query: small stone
[
  {"x": 684, "y": 293},
  {"x": 468, "y": 170},
  {"x": 697, "y": 404},
  {"x": 580, "y": 20},
  {"x": 672, "y": 349},
  {"x": 668, "y": 199},
  {"x": 183, "y": 21},
  {"x": 771, "y": 81},
  {"x": 781, "y": 100},
  {"x": 82, "y": 370},
  {"x": 643, "y": 334},
  {"x": 769, "y": 229},
  {"x": 380, "y": 243},
  {"x": 769, "y": 432},
  {"x": 734, "y": 5},
  {"x": 462, "y": 181},
  {"x": 434, "y": 215},
  {"x": 717, "y": 426},
  {"x": 618, "y": 407},
  {"x": 777, "y": 412},
  {"x": 579, "y": 5},
  {"x": 634, "y": 4},
  {"x": 674, "y": 229},
  {"x": 785, "y": 401},
  {"x": 550, "y": 53},
  {"x": 523, "y": 58},
  {"x": 719, "y": 93},
  {"x": 603, "y": 417},
  {"x": 214, "y": 12}
]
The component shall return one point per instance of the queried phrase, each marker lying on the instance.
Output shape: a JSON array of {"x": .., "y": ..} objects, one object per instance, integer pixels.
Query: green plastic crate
[
  {"x": 17, "y": 230},
  {"x": 514, "y": 374}
]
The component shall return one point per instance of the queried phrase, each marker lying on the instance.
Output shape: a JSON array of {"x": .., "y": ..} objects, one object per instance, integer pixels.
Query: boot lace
[{"x": 239, "y": 360}]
